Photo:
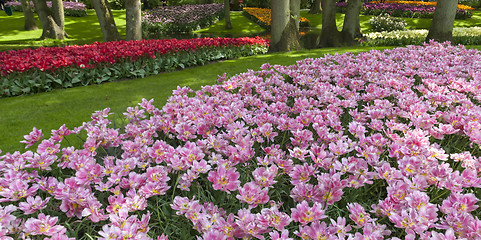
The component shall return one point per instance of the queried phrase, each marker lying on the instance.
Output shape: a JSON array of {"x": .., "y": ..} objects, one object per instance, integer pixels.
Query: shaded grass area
[
  {"x": 73, "y": 106},
  {"x": 81, "y": 30}
]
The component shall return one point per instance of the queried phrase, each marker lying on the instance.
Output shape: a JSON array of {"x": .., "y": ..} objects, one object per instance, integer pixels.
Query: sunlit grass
[
  {"x": 241, "y": 26},
  {"x": 81, "y": 30}
]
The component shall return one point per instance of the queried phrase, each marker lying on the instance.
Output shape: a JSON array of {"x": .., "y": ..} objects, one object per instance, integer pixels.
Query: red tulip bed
[
  {"x": 378, "y": 145},
  {"x": 43, "y": 69}
]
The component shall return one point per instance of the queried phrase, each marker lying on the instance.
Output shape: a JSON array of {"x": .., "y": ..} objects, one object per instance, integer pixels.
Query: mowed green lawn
[{"x": 47, "y": 111}]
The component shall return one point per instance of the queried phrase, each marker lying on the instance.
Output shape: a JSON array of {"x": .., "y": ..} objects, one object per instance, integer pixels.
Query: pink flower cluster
[
  {"x": 322, "y": 131},
  {"x": 79, "y": 6}
]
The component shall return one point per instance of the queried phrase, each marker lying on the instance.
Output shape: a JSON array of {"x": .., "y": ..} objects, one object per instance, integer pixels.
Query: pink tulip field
[{"x": 374, "y": 145}]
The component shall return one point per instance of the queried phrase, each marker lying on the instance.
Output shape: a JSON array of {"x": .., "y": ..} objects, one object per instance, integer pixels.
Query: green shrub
[
  {"x": 87, "y": 3},
  {"x": 471, "y": 3},
  {"x": 116, "y": 4},
  {"x": 257, "y": 3}
]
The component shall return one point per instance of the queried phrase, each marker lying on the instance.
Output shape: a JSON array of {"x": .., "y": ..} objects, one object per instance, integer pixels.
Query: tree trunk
[
  {"x": 30, "y": 23},
  {"x": 315, "y": 7},
  {"x": 50, "y": 29},
  {"x": 57, "y": 13},
  {"x": 442, "y": 25},
  {"x": 228, "y": 24},
  {"x": 351, "y": 28},
  {"x": 106, "y": 20},
  {"x": 133, "y": 20},
  {"x": 330, "y": 36},
  {"x": 279, "y": 19},
  {"x": 284, "y": 34},
  {"x": 295, "y": 7}
]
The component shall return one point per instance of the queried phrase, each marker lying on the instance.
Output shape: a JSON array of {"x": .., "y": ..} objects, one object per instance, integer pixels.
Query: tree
[
  {"x": 330, "y": 35},
  {"x": 228, "y": 24},
  {"x": 442, "y": 25},
  {"x": 51, "y": 28},
  {"x": 133, "y": 28},
  {"x": 58, "y": 13},
  {"x": 106, "y": 20},
  {"x": 351, "y": 29},
  {"x": 316, "y": 7},
  {"x": 29, "y": 17},
  {"x": 284, "y": 34},
  {"x": 295, "y": 8}
]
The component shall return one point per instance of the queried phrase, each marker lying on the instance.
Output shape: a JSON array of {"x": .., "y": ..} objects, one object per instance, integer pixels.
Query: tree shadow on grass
[
  {"x": 11, "y": 28},
  {"x": 81, "y": 30}
]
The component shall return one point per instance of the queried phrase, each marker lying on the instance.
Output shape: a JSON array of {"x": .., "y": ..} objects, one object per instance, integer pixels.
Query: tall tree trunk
[
  {"x": 30, "y": 23},
  {"x": 279, "y": 19},
  {"x": 106, "y": 20},
  {"x": 284, "y": 34},
  {"x": 442, "y": 25},
  {"x": 133, "y": 20},
  {"x": 315, "y": 7},
  {"x": 228, "y": 24},
  {"x": 295, "y": 7},
  {"x": 50, "y": 29},
  {"x": 330, "y": 36},
  {"x": 351, "y": 28},
  {"x": 57, "y": 13}
]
